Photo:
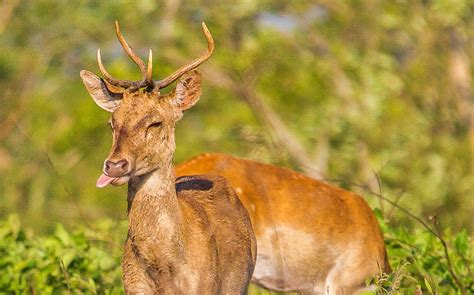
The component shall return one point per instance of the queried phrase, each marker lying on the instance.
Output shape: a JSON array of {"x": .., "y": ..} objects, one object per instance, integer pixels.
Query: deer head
[{"x": 143, "y": 119}]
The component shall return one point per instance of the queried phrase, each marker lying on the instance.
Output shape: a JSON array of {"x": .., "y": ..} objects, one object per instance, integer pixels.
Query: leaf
[
  {"x": 428, "y": 286},
  {"x": 63, "y": 235},
  {"x": 462, "y": 242},
  {"x": 68, "y": 257}
]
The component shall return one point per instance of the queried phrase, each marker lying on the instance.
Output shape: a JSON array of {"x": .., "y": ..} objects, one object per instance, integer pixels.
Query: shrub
[
  {"x": 81, "y": 261},
  {"x": 87, "y": 260}
]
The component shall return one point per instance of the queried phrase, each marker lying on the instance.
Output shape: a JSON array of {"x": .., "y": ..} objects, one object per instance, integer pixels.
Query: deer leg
[
  {"x": 135, "y": 278},
  {"x": 348, "y": 275}
]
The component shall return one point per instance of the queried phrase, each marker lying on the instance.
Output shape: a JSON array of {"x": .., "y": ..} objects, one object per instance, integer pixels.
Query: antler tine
[
  {"x": 135, "y": 58},
  {"x": 149, "y": 70},
  {"x": 192, "y": 65},
  {"x": 108, "y": 77}
]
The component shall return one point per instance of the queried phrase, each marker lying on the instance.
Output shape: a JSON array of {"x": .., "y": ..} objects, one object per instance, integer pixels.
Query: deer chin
[{"x": 105, "y": 180}]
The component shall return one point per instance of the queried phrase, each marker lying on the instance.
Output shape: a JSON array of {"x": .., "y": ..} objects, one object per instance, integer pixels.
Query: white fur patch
[
  {"x": 334, "y": 281},
  {"x": 278, "y": 257}
]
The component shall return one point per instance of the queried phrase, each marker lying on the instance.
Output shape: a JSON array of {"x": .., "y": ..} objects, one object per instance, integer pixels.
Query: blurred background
[{"x": 373, "y": 96}]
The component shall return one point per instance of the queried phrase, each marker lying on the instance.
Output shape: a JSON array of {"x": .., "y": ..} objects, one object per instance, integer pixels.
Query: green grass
[{"x": 86, "y": 260}]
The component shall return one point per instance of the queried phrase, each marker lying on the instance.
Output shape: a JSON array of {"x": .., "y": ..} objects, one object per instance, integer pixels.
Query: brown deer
[
  {"x": 189, "y": 236},
  {"x": 312, "y": 237}
]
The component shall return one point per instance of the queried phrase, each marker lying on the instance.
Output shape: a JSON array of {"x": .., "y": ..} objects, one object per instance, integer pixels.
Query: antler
[
  {"x": 147, "y": 72},
  {"x": 192, "y": 65}
]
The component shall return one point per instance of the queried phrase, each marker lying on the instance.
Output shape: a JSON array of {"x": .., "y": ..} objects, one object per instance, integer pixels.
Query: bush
[
  {"x": 87, "y": 260},
  {"x": 81, "y": 261},
  {"x": 419, "y": 261}
]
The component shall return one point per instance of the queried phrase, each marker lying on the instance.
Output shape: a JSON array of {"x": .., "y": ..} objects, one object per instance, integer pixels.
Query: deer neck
[
  {"x": 153, "y": 209},
  {"x": 157, "y": 186}
]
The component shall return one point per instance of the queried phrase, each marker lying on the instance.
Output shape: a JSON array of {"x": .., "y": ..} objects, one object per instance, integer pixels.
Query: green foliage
[
  {"x": 87, "y": 260},
  {"x": 365, "y": 86},
  {"x": 384, "y": 84},
  {"x": 419, "y": 261},
  {"x": 78, "y": 262}
]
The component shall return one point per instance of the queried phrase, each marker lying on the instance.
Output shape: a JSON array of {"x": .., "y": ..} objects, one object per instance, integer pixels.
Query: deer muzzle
[
  {"x": 117, "y": 169},
  {"x": 114, "y": 172}
]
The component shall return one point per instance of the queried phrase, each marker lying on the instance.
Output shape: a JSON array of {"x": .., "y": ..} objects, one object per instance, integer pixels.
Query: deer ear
[
  {"x": 188, "y": 90},
  {"x": 107, "y": 99}
]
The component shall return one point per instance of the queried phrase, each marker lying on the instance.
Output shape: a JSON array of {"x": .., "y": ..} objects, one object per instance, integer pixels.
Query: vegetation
[
  {"x": 87, "y": 260},
  {"x": 374, "y": 96},
  {"x": 83, "y": 261}
]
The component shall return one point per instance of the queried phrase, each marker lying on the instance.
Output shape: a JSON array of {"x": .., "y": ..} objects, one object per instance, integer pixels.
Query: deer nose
[{"x": 116, "y": 169}]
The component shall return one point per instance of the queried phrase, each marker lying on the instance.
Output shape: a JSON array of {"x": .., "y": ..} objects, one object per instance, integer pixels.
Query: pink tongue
[{"x": 104, "y": 180}]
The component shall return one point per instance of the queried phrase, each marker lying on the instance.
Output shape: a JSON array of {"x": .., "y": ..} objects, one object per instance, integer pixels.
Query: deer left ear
[
  {"x": 188, "y": 90},
  {"x": 102, "y": 93}
]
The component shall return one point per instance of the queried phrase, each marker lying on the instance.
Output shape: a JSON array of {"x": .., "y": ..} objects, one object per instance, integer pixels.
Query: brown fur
[
  {"x": 312, "y": 237},
  {"x": 189, "y": 237}
]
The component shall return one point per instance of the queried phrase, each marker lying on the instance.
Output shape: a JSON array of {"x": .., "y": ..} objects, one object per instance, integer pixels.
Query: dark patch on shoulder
[{"x": 193, "y": 182}]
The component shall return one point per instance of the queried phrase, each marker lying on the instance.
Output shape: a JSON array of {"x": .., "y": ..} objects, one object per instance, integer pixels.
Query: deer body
[
  {"x": 189, "y": 236},
  {"x": 312, "y": 237}
]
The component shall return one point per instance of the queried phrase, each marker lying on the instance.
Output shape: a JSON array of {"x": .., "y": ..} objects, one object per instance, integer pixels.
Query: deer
[
  {"x": 189, "y": 235},
  {"x": 312, "y": 237}
]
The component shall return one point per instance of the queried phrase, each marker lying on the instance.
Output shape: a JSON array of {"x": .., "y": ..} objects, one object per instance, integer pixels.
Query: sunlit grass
[{"x": 255, "y": 290}]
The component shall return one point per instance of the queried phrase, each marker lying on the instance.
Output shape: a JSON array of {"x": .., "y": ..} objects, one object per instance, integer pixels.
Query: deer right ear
[
  {"x": 188, "y": 90},
  {"x": 101, "y": 94}
]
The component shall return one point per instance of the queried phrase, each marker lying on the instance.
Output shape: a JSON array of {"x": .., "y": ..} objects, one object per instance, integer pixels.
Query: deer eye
[{"x": 152, "y": 126}]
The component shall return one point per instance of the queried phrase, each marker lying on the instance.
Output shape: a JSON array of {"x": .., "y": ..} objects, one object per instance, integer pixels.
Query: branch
[
  {"x": 435, "y": 231},
  {"x": 278, "y": 128},
  {"x": 168, "y": 19},
  {"x": 6, "y": 13},
  {"x": 459, "y": 73},
  {"x": 45, "y": 154},
  {"x": 240, "y": 87},
  {"x": 446, "y": 254},
  {"x": 20, "y": 90},
  {"x": 369, "y": 176}
]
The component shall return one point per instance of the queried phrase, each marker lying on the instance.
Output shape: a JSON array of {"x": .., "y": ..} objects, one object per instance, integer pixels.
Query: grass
[{"x": 86, "y": 260}]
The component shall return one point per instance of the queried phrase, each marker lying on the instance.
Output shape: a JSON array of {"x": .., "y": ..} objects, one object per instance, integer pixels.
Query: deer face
[
  {"x": 142, "y": 120},
  {"x": 142, "y": 124}
]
